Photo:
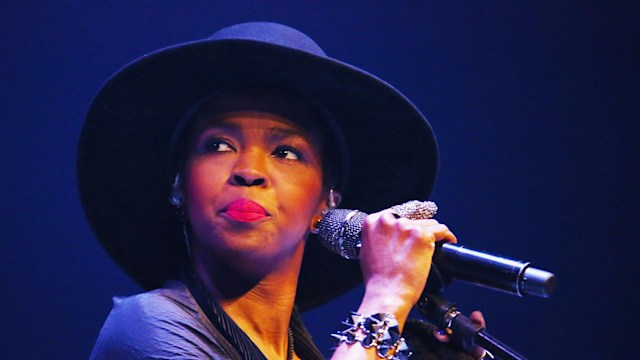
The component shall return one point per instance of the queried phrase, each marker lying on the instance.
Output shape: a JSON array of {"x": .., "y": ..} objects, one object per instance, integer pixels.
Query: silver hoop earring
[
  {"x": 176, "y": 195},
  {"x": 176, "y": 199},
  {"x": 334, "y": 199}
]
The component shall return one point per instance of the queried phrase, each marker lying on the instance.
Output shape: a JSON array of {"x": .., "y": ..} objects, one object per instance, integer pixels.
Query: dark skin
[{"x": 253, "y": 183}]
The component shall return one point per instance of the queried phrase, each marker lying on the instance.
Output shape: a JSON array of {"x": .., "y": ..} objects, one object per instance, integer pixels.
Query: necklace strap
[
  {"x": 299, "y": 342},
  {"x": 246, "y": 348}
]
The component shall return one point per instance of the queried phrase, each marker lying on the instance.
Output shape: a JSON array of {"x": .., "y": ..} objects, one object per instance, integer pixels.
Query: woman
[{"x": 254, "y": 134}]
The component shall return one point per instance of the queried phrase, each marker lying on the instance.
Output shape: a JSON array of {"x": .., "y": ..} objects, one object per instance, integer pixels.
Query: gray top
[{"x": 166, "y": 323}]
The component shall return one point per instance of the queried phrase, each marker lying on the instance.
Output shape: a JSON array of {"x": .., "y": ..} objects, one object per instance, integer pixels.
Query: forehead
[
  {"x": 291, "y": 108},
  {"x": 309, "y": 118},
  {"x": 271, "y": 125}
]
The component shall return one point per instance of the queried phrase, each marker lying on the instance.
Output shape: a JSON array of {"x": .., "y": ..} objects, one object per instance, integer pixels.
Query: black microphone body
[
  {"x": 495, "y": 272},
  {"x": 340, "y": 231}
]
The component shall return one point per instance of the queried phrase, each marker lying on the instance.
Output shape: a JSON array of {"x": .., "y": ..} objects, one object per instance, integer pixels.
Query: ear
[{"x": 332, "y": 200}]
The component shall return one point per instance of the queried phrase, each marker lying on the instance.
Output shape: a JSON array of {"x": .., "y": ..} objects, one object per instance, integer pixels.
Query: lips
[{"x": 244, "y": 210}]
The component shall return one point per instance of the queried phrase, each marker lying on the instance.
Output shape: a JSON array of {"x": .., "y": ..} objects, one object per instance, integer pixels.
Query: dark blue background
[{"x": 535, "y": 105}]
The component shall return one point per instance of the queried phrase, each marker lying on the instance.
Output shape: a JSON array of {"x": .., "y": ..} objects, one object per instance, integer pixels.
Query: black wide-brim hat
[{"x": 125, "y": 182}]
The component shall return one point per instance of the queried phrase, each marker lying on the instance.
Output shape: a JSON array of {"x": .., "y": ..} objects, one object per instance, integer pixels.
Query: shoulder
[
  {"x": 162, "y": 323},
  {"x": 171, "y": 303}
]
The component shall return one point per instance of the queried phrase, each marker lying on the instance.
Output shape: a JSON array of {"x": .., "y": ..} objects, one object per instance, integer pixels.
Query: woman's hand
[{"x": 395, "y": 259}]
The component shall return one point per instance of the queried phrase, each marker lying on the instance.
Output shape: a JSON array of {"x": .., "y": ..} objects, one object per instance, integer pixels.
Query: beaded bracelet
[{"x": 379, "y": 331}]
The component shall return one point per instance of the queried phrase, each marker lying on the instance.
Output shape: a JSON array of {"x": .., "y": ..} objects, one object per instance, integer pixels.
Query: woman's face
[{"x": 253, "y": 182}]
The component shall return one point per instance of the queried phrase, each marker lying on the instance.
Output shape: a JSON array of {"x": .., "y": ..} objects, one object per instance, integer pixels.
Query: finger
[
  {"x": 440, "y": 232},
  {"x": 478, "y": 318},
  {"x": 441, "y": 335},
  {"x": 444, "y": 234}
]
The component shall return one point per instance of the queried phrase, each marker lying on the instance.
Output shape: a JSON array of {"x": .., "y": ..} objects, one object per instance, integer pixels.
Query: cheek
[
  {"x": 202, "y": 182},
  {"x": 305, "y": 194}
]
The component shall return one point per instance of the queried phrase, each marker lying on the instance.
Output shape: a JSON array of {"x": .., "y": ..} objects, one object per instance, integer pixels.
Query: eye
[
  {"x": 217, "y": 145},
  {"x": 287, "y": 153}
]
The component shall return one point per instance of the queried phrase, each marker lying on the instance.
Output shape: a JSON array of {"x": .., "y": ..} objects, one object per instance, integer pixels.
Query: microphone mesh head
[{"x": 340, "y": 230}]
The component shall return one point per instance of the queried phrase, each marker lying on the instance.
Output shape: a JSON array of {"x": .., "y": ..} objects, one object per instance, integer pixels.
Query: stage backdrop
[{"x": 535, "y": 105}]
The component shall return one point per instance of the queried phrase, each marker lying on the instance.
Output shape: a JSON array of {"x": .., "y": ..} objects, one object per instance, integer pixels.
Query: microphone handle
[
  {"x": 495, "y": 272},
  {"x": 340, "y": 231}
]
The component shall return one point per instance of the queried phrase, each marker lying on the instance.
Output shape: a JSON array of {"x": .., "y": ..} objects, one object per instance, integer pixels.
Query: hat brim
[{"x": 122, "y": 158}]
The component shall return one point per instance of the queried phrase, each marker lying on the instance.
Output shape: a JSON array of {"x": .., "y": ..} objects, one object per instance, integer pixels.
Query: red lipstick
[{"x": 244, "y": 210}]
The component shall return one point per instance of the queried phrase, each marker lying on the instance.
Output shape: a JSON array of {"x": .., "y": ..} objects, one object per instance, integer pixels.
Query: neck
[{"x": 261, "y": 303}]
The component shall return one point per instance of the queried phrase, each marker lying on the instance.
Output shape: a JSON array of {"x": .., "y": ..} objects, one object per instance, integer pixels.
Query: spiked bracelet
[{"x": 379, "y": 331}]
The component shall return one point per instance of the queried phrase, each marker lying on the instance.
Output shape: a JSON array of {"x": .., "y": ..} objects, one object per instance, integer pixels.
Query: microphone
[{"x": 340, "y": 232}]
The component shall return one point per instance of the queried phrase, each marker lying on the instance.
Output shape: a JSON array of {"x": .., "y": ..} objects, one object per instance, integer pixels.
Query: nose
[
  {"x": 247, "y": 179},
  {"x": 249, "y": 170}
]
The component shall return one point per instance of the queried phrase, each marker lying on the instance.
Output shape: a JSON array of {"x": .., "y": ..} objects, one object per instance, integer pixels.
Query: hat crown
[
  {"x": 122, "y": 154},
  {"x": 271, "y": 33}
]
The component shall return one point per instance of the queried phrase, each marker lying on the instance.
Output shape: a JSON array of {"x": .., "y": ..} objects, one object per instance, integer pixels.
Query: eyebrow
[
  {"x": 274, "y": 133},
  {"x": 278, "y": 133}
]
